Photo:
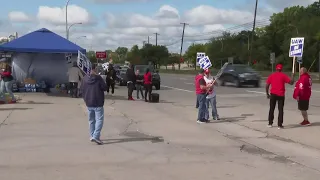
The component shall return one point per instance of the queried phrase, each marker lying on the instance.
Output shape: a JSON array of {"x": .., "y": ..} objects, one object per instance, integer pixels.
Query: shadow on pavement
[
  {"x": 115, "y": 97},
  {"x": 12, "y": 109},
  {"x": 292, "y": 126},
  {"x": 57, "y": 95},
  {"x": 229, "y": 119},
  {"x": 231, "y": 106},
  {"x": 32, "y": 102},
  {"x": 124, "y": 140}
]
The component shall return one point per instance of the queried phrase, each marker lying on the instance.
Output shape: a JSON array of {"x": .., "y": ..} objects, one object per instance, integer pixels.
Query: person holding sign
[
  {"x": 277, "y": 82},
  {"x": 302, "y": 93},
  {"x": 201, "y": 92},
  {"x": 211, "y": 95}
]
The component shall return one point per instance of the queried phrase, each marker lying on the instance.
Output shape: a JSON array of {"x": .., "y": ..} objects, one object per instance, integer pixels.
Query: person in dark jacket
[
  {"x": 139, "y": 84},
  {"x": 92, "y": 88},
  {"x": 111, "y": 77},
  {"x": 131, "y": 80}
]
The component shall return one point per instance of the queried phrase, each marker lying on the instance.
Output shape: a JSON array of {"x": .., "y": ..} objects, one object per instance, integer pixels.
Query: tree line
[{"x": 295, "y": 21}]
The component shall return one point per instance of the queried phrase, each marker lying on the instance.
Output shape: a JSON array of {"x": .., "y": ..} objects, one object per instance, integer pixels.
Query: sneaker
[
  {"x": 98, "y": 141},
  {"x": 269, "y": 125},
  {"x": 280, "y": 127},
  {"x": 91, "y": 139},
  {"x": 216, "y": 118},
  {"x": 305, "y": 123},
  {"x": 200, "y": 122}
]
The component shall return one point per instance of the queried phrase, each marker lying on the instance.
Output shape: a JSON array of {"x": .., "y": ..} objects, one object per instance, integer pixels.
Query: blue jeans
[
  {"x": 96, "y": 118},
  {"x": 7, "y": 87},
  {"x": 201, "y": 98},
  {"x": 213, "y": 103}
]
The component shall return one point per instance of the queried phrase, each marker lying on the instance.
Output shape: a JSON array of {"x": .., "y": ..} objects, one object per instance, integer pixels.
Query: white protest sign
[
  {"x": 199, "y": 56},
  {"x": 205, "y": 62},
  {"x": 84, "y": 63},
  {"x": 296, "y": 47},
  {"x": 105, "y": 66}
]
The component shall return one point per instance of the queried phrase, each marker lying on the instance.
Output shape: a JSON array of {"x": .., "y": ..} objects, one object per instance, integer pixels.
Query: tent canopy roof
[{"x": 41, "y": 41}]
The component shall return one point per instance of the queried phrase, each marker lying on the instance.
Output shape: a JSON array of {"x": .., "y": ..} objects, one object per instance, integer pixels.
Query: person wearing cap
[
  {"x": 201, "y": 91},
  {"x": 195, "y": 79},
  {"x": 302, "y": 93},
  {"x": 277, "y": 82},
  {"x": 211, "y": 96}
]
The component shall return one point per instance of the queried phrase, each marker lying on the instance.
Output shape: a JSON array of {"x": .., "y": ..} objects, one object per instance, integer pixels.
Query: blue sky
[{"x": 115, "y": 24}]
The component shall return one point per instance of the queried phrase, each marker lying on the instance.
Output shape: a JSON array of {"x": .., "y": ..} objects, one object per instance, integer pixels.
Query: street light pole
[
  {"x": 68, "y": 29},
  {"x": 67, "y": 33},
  {"x": 78, "y": 38}
]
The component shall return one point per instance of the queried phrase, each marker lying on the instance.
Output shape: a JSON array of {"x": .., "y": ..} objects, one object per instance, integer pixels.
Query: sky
[{"x": 108, "y": 24}]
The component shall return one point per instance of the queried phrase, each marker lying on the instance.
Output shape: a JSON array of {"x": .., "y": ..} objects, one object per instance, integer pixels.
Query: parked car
[
  {"x": 156, "y": 80},
  {"x": 240, "y": 74}
]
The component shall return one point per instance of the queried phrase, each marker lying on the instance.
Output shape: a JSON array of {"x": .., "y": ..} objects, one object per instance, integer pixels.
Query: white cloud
[
  {"x": 129, "y": 29},
  {"x": 206, "y": 15},
  {"x": 57, "y": 15},
  {"x": 17, "y": 16}
]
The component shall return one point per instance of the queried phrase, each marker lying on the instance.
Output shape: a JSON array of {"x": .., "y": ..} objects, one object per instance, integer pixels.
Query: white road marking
[
  {"x": 178, "y": 89},
  {"x": 258, "y": 92}
]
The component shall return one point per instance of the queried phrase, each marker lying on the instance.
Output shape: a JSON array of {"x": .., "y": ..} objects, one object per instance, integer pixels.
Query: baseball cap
[
  {"x": 206, "y": 71},
  {"x": 279, "y": 67}
]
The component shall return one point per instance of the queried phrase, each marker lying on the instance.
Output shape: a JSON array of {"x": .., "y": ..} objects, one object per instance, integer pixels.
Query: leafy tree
[{"x": 122, "y": 53}]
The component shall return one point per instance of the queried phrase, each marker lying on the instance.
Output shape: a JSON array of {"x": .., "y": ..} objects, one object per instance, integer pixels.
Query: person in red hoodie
[
  {"x": 147, "y": 84},
  {"x": 277, "y": 80},
  {"x": 302, "y": 93},
  {"x": 7, "y": 79},
  {"x": 201, "y": 92}
]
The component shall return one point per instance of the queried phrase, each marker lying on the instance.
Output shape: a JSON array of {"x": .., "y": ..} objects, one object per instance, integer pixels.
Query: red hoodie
[
  {"x": 302, "y": 89},
  {"x": 147, "y": 78},
  {"x": 197, "y": 84}
]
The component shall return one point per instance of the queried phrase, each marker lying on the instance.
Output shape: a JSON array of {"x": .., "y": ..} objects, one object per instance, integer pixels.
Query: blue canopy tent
[{"x": 41, "y": 55}]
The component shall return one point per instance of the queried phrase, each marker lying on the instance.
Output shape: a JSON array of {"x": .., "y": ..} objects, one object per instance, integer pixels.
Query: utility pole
[
  {"x": 148, "y": 39},
  {"x": 144, "y": 43},
  {"x": 156, "y": 38},
  {"x": 253, "y": 28},
  {"x": 184, "y": 26}
]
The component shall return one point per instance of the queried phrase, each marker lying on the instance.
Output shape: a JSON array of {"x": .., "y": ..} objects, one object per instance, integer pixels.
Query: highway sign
[
  {"x": 101, "y": 55},
  {"x": 296, "y": 47}
]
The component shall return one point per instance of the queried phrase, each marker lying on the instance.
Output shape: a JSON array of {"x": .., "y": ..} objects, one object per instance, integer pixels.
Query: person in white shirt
[{"x": 211, "y": 96}]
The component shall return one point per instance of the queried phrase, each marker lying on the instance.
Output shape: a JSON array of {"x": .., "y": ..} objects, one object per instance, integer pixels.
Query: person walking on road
[
  {"x": 302, "y": 93},
  {"x": 211, "y": 99},
  {"x": 93, "y": 87},
  {"x": 147, "y": 85},
  {"x": 110, "y": 79},
  {"x": 139, "y": 84},
  {"x": 75, "y": 77},
  {"x": 277, "y": 81},
  {"x": 201, "y": 92},
  {"x": 131, "y": 80}
]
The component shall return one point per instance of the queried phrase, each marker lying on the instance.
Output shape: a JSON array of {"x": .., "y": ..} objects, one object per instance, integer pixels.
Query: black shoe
[{"x": 280, "y": 127}]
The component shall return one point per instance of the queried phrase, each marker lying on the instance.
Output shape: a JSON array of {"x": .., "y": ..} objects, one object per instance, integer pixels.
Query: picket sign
[
  {"x": 84, "y": 63},
  {"x": 296, "y": 50},
  {"x": 205, "y": 62},
  {"x": 199, "y": 56}
]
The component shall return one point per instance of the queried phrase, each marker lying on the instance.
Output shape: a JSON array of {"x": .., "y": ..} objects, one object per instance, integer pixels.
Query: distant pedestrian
[
  {"x": 277, "y": 81},
  {"x": 75, "y": 77},
  {"x": 195, "y": 79},
  {"x": 92, "y": 88},
  {"x": 110, "y": 78},
  {"x": 139, "y": 84},
  {"x": 201, "y": 92},
  {"x": 211, "y": 99},
  {"x": 147, "y": 85},
  {"x": 131, "y": 80},
  {"x": 302, "y": 93},
  {"x": 7, "y": 81}
]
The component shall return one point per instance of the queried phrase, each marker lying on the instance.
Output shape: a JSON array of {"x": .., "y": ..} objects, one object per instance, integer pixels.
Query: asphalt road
[{"x": 185, "y": 83}]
